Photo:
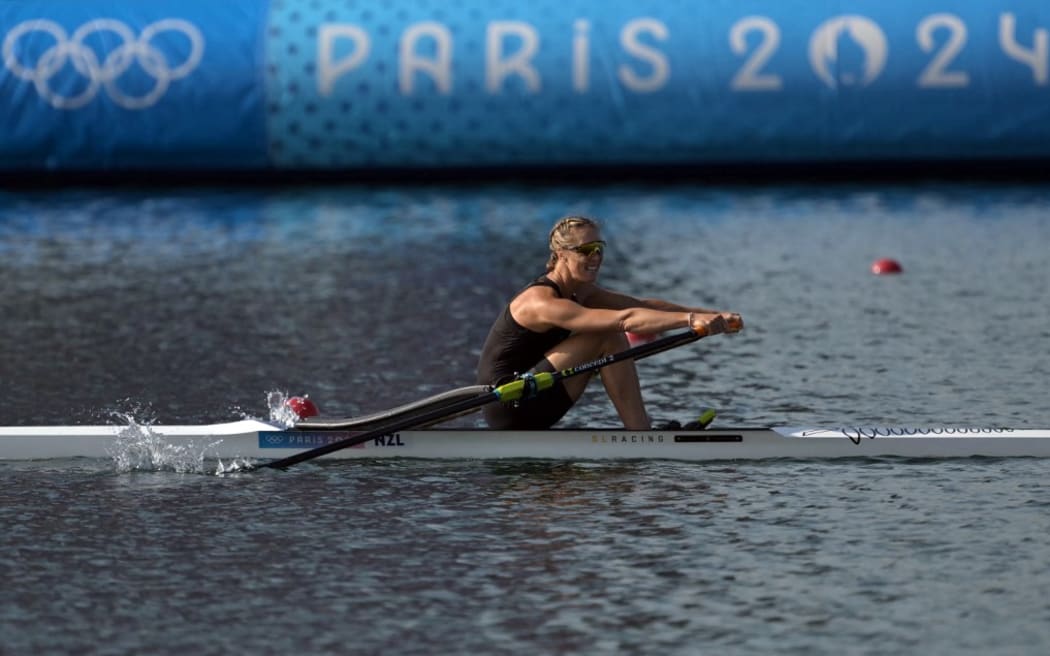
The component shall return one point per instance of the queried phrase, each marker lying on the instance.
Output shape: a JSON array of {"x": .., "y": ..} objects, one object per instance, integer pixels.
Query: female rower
[{"x": 564, "y": 319}]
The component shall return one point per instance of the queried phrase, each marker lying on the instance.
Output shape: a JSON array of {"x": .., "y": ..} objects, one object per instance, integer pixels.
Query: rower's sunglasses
[{"x": 590, "y": 248}]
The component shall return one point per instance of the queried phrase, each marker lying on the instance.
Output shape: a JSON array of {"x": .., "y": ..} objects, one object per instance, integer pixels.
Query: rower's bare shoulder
[
  {"x": 541, "y": 309},
  {"x": 527, "y": 307}
]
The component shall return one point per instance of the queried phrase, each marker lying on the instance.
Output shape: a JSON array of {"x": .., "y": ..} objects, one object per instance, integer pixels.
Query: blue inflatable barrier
[{"x": 326, "y": 84}]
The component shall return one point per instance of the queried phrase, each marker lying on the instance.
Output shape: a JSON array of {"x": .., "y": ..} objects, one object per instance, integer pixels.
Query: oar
[
  {"x": 523, "y": 387},
  {"x": 369, "y": 421}
]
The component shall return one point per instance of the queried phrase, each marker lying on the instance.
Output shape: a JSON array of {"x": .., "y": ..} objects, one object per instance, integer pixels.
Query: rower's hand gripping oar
[{"x": 523, "y": 387}]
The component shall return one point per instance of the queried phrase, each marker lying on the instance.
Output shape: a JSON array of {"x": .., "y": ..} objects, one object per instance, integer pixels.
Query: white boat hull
[{"x": 257, "y": 440}]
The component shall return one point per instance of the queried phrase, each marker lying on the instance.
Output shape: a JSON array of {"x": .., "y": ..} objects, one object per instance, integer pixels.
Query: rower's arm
[
  {"x": 598, "y": 297},
  {"x": 540, "y": 311}
]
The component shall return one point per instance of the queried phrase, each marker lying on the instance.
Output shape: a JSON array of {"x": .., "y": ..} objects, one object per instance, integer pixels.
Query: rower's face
[{"x": 585, "y": 265}]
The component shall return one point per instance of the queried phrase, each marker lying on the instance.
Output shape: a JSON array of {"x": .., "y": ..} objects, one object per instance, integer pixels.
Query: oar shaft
[
  {"x": 511, "y": 391},
  {"x": 391, "y": 427}
]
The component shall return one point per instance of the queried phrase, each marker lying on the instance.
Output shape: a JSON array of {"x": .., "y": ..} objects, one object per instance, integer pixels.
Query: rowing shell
[{"x": 262, "y": 440}]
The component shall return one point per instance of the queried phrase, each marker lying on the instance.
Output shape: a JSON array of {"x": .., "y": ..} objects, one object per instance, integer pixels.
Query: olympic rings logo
[{"x": 105, "y": 73}]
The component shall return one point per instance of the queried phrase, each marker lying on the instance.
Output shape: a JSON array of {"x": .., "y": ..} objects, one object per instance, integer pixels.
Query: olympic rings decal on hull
[{"x": 105, "y": 73}]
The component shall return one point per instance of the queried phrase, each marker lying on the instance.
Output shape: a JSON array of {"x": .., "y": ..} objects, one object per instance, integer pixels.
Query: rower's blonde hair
[{"x": 559, "y": 236}]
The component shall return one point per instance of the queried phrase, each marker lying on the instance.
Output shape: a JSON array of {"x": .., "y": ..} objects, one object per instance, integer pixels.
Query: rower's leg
[
  {"x": 622, "y": 386},
  {"x": 620, "y": 379}
]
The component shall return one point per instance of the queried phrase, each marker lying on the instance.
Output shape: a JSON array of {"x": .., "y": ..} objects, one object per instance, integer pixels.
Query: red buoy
[
  {"x": 302, "y": 406},
  {"x": 885, "y": 266}
]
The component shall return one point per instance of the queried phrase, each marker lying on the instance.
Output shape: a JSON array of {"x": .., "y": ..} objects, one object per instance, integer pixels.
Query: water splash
[
  {"x": 279, "y": 411},
  {"x": 235, "y": 466},
  {"x": 139, "y": 448}
]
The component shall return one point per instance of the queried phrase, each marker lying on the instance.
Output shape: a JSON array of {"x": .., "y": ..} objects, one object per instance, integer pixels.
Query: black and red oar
[{"x": 523, "y": 387}]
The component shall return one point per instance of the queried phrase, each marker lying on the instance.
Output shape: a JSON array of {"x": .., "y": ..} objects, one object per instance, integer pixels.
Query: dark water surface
[
  {"x": 489, "y": 557},
  {"x": 189, "y": 306}
]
